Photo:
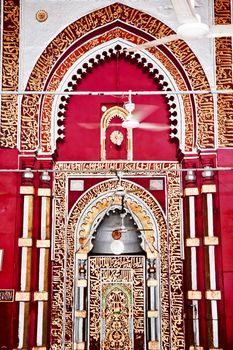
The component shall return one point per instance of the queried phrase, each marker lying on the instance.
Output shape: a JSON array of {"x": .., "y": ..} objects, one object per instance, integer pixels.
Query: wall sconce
[{"x": 1, "y": 258}]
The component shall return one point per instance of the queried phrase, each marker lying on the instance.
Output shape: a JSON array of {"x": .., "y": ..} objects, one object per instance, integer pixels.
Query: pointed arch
[
  {"x": 98, "y": 25},
  {"x": 145, "y": 210},
  {"x": 170, "y": 260}
]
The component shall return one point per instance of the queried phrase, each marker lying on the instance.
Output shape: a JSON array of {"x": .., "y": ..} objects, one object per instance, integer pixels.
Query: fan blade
[
  {"x": 92, "y": 126},
  {"x": 185, "y": 11},
  {"x": 153, "y": 127},
  {"x": 220, "y": 30},
  {"x": 143, "y": 111},
  {"x": 154, "y": 43},
  {"x": 89, "y": 125}
]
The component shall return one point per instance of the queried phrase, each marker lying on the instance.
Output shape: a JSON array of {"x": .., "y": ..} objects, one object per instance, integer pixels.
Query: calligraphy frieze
[
  {"x": 91, "y": 22},
  {"x": 10, "y": 72},
  {"x": 223, "y": 54}
]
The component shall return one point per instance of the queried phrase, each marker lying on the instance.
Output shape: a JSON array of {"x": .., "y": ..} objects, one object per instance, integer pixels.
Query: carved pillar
[
  {"x": 80, "y": 307},
  {"x": 152, "y": 313},
  {"x": 43, "y": 244},
  {"x": 25, "y": 244},
  {"x": 192, "y": 243},
  {"x": 212, "y": 294}
]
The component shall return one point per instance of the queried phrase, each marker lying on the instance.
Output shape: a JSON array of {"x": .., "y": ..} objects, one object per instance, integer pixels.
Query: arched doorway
[
  {"x": 72, "y": 243},
  {"x": 117, "y": 300}
]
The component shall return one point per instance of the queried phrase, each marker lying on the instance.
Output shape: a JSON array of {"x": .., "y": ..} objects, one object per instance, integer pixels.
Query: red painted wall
[
  {"x": 9, "y": 233},
  {"x": 84, "y": 143},
  {"x": 226, "y": 226}
]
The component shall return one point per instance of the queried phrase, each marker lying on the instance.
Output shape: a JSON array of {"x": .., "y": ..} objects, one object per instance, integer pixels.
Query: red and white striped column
[
  {"x": 192, "y": 243},
  {"x": 210, "y": 239},
  {"x": 23, "y": 296},
  {"x": 43, "y": 245}
]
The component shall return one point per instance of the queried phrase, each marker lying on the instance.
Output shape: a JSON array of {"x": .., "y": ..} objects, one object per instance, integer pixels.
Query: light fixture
[
  {"x": 207, "y": 172},
  {"x": 117, "y": 247},
  {"x": 28, "y": 174},
  {"x": 130, "y": 122},
  {"x": 190, "y": 176},
  {"x": 45, "y": 176}
]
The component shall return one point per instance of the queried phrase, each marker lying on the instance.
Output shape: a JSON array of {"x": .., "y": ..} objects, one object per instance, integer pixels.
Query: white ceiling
[{"x": 35, "y": 36}]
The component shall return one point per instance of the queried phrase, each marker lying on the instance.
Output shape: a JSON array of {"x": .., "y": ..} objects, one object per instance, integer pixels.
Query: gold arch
[
  {"x": 105, "y": 121},
  {"x": 92, "y": 208},
  {"x": 171, "y": 263}
]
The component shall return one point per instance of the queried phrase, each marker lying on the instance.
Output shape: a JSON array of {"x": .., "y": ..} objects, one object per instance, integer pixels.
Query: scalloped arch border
[
  {"x": 48, "y": 104},
  {"x": 141, "y": 61},
  {"x": 94, "y": 21}
]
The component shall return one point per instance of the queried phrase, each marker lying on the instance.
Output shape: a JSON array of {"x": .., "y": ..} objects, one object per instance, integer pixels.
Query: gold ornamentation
[
  {"x": 27, "y": 190},
  {"x": 194, "y": 295},
  {"x": 43, "y": 243},
  {"x": 213, "y": 295},
  {"x": 63, "y": 68},
  {"x": 170, "y": 316},
  {"x": 81, "y": 283},
  {"x": 82, "y": 256},
  {"x": 205, "y": 116},
  {"x": 192, "y": 242},
  {"x": 41, "y": 16},
  {"x": 152, "y": 313},
  {"x": 211, "y": 240},
  {"x": 152, "y": 283},
  {"x": 223, "y": 55},
  {"x": 208, "y": 188},
  {"x": 22, "y": 296},
  {"x": 25, "y": 242},
  {"x": 120, "y": 292},
  {"x": 44, "y": 192},
  {"x": 153, "y": 345},
  {"x": 41, "y": 296},
  {"x": 81, "y": 313},
  {"x": 79, "y": 346},
  {"x": 191, "y": 191},
  {"x": 117, "y": 137},
  {"x": 10, "y": 73},
  {"x": 6, "y": 295},
  {"x": 195, "y": 347}
]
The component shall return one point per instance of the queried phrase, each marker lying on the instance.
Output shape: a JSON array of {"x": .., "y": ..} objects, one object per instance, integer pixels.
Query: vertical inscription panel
[{"x": 116, "y": 303}]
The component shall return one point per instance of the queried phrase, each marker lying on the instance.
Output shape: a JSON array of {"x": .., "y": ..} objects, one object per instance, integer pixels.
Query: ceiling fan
[
  {"x": 190, "y": 27},
  {"x": 133, "y": 120}
]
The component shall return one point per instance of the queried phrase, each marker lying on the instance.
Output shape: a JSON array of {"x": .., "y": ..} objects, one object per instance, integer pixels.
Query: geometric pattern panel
[{"x": 116, "y": 294}]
